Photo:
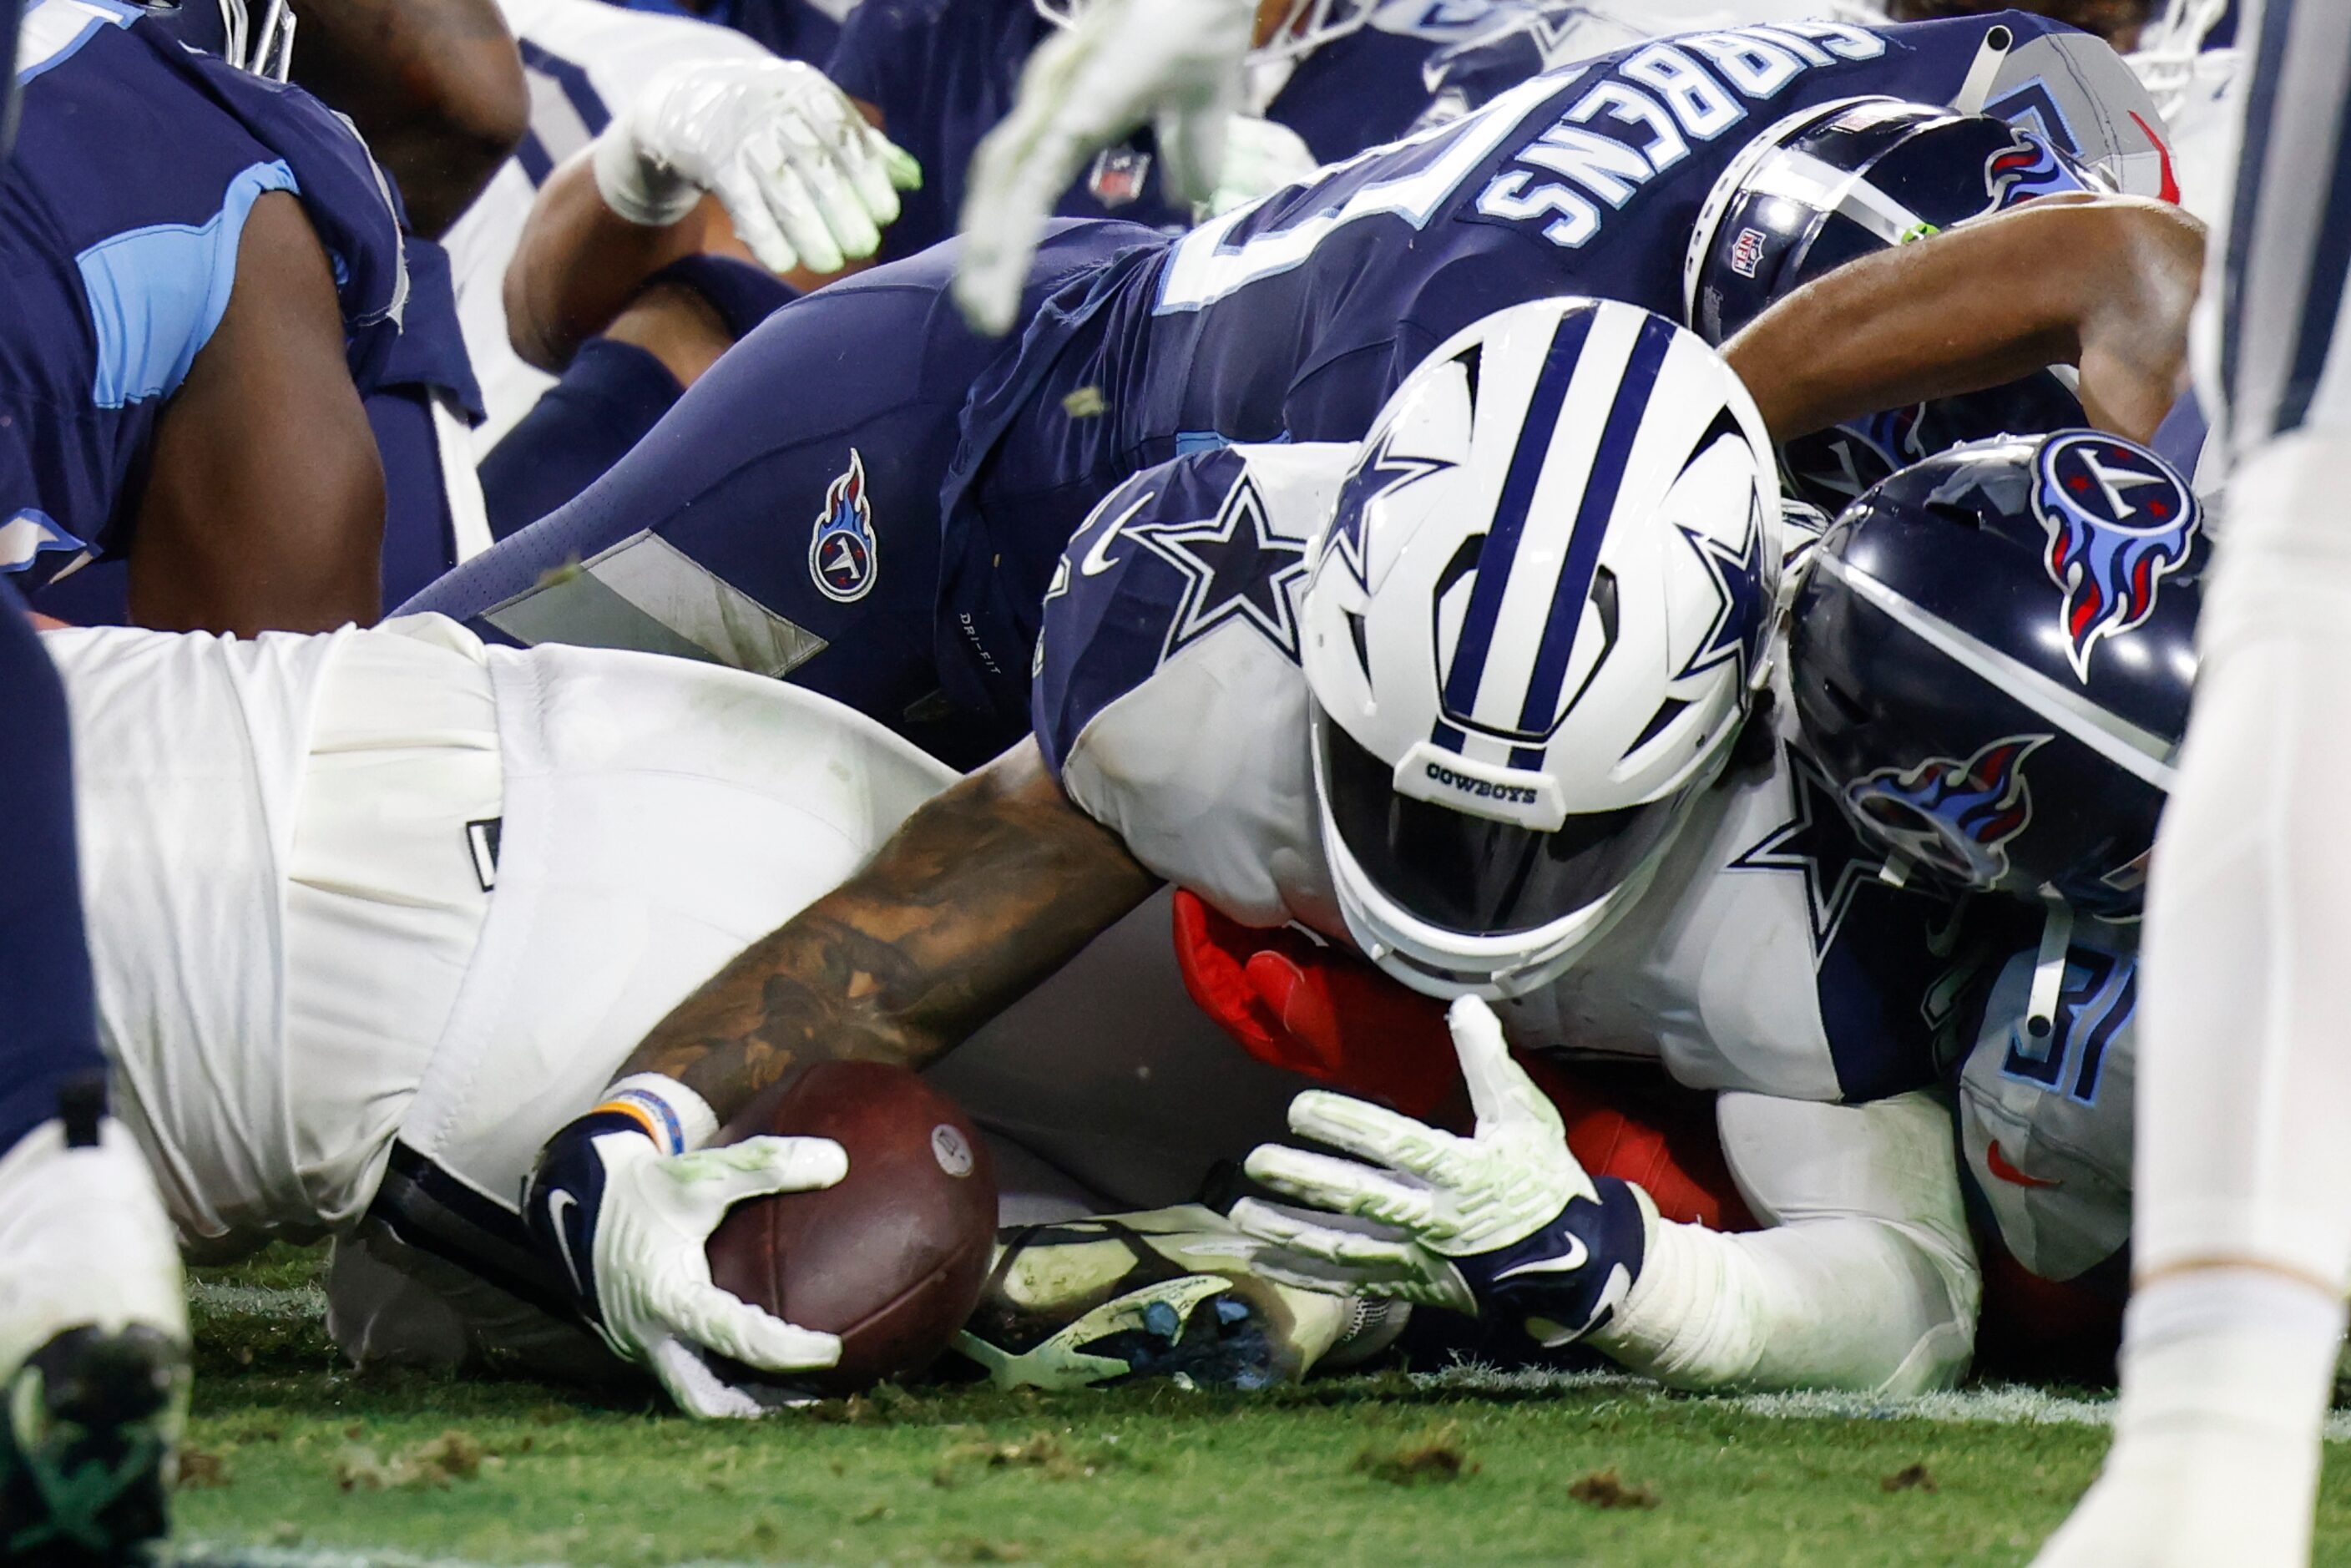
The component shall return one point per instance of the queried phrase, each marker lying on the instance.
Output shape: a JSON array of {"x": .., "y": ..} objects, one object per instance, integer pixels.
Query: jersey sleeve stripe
[{"x": 155, "y": 294}]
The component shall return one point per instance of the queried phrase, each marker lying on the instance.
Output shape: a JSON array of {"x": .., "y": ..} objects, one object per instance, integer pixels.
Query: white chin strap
[{"x": 2048, "y": 979}]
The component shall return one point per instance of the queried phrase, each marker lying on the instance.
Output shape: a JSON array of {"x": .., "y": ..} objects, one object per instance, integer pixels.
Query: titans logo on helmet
[
  {"x": 1956, "y": 816},
  {"x": 2026, "y": 168},
  {"x": 2120, "y": 522},
  {"x": 840, "y": 556}
]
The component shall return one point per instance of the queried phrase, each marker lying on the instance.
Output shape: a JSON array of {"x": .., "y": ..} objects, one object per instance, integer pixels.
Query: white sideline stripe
[{"x": 2005, "y": 1405}]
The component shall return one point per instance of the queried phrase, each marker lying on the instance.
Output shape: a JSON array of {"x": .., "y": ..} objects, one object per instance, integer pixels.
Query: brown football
[{"x": 891, "y": 1258}]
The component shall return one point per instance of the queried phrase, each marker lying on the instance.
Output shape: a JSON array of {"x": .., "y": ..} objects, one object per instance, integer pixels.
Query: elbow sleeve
[{"x": 1865, "y": 1280}]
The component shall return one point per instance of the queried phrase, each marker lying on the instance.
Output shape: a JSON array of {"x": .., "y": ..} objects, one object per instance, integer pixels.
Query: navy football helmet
[
  {"x": 11, "y": 17},
  {"x": 1833, "y": 182},
  {"x": 1992, "y": 663}
]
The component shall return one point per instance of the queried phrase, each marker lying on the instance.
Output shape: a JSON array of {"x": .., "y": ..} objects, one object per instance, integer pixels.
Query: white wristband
[
  {"x": 674, "y": 1116},
  {"x": 636, "y": 190}
]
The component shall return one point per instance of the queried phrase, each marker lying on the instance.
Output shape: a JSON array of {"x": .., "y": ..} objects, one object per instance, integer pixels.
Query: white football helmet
[{"x": 1534, "y": 624}]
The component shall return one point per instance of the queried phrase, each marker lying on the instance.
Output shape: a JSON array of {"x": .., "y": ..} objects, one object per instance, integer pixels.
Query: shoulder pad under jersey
[{"x": 1213, "y": 543}]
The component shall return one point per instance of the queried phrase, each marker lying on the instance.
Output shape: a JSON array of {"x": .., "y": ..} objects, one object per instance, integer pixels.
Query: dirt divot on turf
[
  {"x": 436, "y": 1462},
  {"x": 1910, "y": 1477},
  {"x": 1431, "y": 1454},
  {"x": 1606, "y": 1489},
  {"x": 1043, "y": 1452},
  {"x": 201, "y": 1468}
]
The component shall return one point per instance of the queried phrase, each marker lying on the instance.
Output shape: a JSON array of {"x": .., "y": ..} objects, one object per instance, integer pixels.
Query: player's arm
[
  {"x": 2101, "y": 283},
  {"x": 986, "y": 890},
  {"x": 262, "y": 507},
  {"x": 1173, "y": 63},
  {"x": 1865, "y": 1277},
  {"x": 762, "y": 159},
  {"x": 436, "y": 85},
  {"x": 1866, "y": 1282}
]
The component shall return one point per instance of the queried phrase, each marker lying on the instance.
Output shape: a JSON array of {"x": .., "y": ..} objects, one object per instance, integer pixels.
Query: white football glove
[
  {"x": 628, "y": 1223},
  {"x": 1175, "y": 63},
  {"x": 1261, "y": 155},
  {"x": 1506, "y": 1219},
  {"x": 808, "y": 182}
]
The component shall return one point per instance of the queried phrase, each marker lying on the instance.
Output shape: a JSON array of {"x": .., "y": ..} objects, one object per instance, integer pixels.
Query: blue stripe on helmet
[
  {"x": 1501, "y": 547},
  {"x": 1592, "y": 519}
]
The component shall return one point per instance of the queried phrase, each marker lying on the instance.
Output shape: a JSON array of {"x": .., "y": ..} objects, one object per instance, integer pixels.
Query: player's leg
[
  {"x": 619, "y": 384},
  {"x": 2242, "y": 1224},
  {"x": 93, "y": 1331},
  {"x": 785, "y": 517}
]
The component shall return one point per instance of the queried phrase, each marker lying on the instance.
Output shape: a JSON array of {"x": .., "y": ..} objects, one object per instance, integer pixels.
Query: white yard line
[{"x": 2002, "y": 1405}]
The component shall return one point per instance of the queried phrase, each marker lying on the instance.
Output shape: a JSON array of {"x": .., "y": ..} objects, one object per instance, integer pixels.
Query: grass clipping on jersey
[{"x": 304, "y": 1467}]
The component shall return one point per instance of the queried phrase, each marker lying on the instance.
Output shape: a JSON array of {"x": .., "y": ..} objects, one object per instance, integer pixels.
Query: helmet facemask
[{"x": 1534, "y": 628}]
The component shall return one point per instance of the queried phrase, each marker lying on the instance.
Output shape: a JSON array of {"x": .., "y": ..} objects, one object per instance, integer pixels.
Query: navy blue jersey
[
  {"x": 48, "y": 1025},
  {"x": 1293, "y": 319},
  {"x": 793, "y": 29},
  {"x": 137, "y": 165},
  {"x": 943, "y": 72}
]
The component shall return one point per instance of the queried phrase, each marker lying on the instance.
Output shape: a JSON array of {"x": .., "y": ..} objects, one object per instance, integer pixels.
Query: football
[{"x": 891, "y": 1258}]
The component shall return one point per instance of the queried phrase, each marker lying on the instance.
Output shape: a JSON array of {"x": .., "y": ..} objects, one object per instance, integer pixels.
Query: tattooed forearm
[{"x": 984, "y": 892}]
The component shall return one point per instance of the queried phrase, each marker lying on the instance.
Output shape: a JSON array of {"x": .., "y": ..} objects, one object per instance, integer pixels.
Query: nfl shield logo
[
  {"x": 1747, "y": 252},
  {"x": 840, "y": 556},
  {"x": 1118, "y": 175}
]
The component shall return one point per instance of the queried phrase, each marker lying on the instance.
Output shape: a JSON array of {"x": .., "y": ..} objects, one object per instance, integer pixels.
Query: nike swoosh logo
[
  {"x": 1095, "y": 562},
  {"x": 2009, "y": 1173},
  {"x": 1576, "y": 1256},
  {"x": 558, "y": 1204}
]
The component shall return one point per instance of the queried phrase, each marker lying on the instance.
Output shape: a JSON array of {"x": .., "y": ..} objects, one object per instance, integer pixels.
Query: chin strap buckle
[
  {"x": 2048, "y": 979},
  {"x": 81, "y": 1106}
]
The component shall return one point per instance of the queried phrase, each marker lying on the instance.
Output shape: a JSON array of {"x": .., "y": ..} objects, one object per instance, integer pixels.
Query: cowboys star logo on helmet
[
  {"x": 1952, "y": 815},
  {"x": 2120, "y": 522},
  {"x": 841, "y": 556}
]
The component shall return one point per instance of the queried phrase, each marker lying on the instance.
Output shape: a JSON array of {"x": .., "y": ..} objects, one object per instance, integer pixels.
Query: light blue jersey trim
[
  {"x": 156, "y": 293},
  {"x": 53, "y": 31},
  {"x": 23, "y": 537}
]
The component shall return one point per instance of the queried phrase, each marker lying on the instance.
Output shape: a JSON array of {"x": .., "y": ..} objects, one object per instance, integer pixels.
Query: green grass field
[{"x": 292, "y": 1463}]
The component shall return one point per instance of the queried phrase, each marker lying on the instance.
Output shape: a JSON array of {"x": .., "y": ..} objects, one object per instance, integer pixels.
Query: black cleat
[{"x": 87, "y": 1447}]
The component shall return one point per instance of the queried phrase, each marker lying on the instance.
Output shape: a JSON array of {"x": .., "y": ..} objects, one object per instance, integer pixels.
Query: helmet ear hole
[
  {"x": 1843, "y": 699},
  {"x": 1363, "y": 650}
]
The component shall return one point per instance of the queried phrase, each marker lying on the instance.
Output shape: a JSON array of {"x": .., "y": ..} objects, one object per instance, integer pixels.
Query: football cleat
[
  {"x": 1168, "y": 1294},
  {"x": 93, "y": 1349}
]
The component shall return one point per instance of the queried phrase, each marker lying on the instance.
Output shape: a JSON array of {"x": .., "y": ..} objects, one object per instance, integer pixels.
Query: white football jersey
[
  {"x": 1769, "y": 955},
  {"x": 584, "y": 60},
  {"x": 2045, "y": 1120}
]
